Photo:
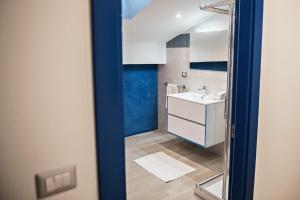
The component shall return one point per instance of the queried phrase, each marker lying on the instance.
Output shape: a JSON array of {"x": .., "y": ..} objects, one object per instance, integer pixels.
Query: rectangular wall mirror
[
  {"x": 209, "y": 44},
  {"x": 208, "y": 50}
]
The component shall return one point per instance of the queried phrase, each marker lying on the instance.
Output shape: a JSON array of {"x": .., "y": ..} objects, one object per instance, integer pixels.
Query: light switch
[
  {"x": 50, "y": 186},
  {"x": 55, "y": 181},
  {"x": 66, "y": 178},
  {"x": 58, "y": 181}
]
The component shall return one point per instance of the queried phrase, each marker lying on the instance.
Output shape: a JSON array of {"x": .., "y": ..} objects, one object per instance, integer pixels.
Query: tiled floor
[{"x": 141, "y": 185}]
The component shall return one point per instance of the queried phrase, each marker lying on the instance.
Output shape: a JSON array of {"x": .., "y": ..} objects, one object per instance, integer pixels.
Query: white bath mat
[{"x": 164, "y": 167}]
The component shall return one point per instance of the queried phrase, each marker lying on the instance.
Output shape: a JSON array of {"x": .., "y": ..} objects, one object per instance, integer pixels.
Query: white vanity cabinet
[{"x": 196, "y": 119}]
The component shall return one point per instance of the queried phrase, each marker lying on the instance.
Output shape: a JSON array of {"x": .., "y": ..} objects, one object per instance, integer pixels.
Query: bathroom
[{"x": 175, "y": 68}]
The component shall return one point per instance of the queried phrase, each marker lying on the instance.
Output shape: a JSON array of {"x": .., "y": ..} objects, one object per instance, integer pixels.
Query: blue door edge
[
  {"x": 248, "y": 45},
  {"x": 106, "y": 24},
  {"x": 108, "y": 98}
]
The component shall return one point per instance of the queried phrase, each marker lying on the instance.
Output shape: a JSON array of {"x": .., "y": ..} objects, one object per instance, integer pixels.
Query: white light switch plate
[
  {"x": 50, "y": 186},
  {"x": 66, "y": 178},
  {"x": 55, "y": 181}
]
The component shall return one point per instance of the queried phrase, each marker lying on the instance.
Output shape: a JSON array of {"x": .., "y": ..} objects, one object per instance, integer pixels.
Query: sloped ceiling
[{"x": 158, "y": 22}]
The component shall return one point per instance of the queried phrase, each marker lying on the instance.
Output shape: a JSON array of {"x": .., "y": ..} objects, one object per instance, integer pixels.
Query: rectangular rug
[{"x": 164, "y": 167}]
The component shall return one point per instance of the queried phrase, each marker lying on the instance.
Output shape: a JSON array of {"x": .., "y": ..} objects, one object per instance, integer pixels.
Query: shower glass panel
[{"x": 216, "y": 188}]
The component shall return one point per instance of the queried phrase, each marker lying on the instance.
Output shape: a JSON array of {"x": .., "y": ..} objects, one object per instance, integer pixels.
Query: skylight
[{"x": 131, "y": 8}]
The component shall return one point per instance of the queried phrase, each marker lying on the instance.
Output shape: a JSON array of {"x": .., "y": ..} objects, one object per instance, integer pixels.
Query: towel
[{"x": 171, "y": 89}]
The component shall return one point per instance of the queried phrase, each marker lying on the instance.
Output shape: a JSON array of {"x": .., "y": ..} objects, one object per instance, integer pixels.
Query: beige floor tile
[{"x": 141, "y": 185}]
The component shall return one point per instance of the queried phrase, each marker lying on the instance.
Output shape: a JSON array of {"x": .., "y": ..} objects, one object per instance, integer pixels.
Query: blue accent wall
[
  {"x": 140, "y": 98},
  {"x": 213, "y": 65},
  {"x": 180, "y": 41}
]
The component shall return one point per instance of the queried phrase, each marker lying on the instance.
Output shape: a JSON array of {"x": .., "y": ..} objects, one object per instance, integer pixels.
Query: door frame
[
  {"x": 108, "y": 98},
  {"x": 247, "y": 61}
]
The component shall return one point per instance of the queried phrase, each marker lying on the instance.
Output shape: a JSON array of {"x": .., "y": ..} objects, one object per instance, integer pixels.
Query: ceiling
[{"x": 158, "y": 21}]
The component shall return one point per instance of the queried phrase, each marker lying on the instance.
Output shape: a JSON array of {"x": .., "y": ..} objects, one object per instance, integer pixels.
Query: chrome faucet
[{"x": 203, "y": 90}]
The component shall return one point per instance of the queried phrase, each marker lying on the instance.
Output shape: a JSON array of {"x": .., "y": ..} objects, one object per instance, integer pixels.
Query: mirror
[{"x": 209, "y": 44}]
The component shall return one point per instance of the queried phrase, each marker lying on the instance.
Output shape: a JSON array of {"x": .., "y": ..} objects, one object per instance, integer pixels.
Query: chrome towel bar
[{"x": 183, "y": 86}]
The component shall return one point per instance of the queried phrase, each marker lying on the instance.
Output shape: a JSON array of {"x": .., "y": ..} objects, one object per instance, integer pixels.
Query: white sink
[
  {"x": 197, "y": 97},
  {"x": 211, "y": 97}
]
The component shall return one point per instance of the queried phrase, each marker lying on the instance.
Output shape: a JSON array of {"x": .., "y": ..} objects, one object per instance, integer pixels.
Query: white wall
[
  {"x": 278, "y": 151},
  {"x": 46, "y": 118},
  {"x": 143, "y": 52},
  {"x": 209, "y": 46}
]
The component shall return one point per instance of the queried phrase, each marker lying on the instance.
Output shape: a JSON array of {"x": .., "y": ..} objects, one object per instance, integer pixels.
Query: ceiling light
[{"x": 178, "y": 15}]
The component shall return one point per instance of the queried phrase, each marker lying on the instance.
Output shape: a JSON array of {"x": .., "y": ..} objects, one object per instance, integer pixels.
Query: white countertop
[{"x": 197, "y": 98}]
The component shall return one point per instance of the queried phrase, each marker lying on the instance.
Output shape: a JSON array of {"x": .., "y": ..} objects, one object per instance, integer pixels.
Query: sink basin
[
  {"x": 197, "y": 97},
  {"x": 211, "y": 97}
]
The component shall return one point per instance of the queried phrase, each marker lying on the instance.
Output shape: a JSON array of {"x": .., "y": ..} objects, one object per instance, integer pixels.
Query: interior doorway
[
  {"x": 108, "y": 119},
  {"x": 178, "y": 66}
]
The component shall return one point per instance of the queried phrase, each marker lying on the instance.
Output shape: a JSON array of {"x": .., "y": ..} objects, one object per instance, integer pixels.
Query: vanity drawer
[
  {"x": 187, "y": 130},
  {"x": 187, "y": 110}
]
